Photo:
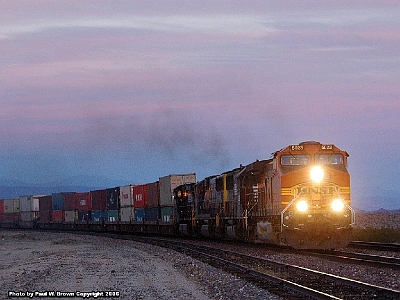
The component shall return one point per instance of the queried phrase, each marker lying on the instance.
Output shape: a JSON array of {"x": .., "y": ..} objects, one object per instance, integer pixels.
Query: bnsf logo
[{"x": 316, "y": 190}]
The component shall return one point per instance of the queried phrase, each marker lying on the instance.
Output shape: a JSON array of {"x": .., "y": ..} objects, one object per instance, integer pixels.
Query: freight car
[{"x": 300, "y": 197}]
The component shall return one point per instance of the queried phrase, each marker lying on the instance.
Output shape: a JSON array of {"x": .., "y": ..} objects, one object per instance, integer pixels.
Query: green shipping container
[
  {"x": 167, "y": 214},
  {"x": 113, "y": 215}
]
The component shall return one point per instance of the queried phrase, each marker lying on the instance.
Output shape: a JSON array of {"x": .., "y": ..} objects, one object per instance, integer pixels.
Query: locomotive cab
[{"x": 183, "y": 196}]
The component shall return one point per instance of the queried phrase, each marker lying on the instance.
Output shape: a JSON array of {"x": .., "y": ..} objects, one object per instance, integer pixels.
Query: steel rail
[
  {"x": 375, "y": 246},
  {"x": 291, "y": 278},
  {"x": 358, "y": 258}
]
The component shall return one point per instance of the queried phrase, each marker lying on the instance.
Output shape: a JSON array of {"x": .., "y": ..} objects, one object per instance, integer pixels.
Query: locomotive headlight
[
  {"x": 302, "y": 205},
  {"x": 337, "y": 205},
  {"x": 317, "y": 174}
]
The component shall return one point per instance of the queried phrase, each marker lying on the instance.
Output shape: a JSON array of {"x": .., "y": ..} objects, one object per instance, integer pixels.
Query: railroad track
[
  {"x": 358, "y": 258},
  {"x": 375, "y": 246},
  {"x": 287, "y": 281}
]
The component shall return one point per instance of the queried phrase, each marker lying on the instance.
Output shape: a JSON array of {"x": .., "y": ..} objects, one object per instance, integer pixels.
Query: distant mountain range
[
  {"x": 13, "y": 188},
  {"x": 9, "y": 192},
  {"x": 375, "y": 199},
  {"x": 380, "y": 211}
]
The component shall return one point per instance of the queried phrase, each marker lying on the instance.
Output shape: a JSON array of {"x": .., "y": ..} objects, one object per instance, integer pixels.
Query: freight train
[{"x": 300, "y": 197}]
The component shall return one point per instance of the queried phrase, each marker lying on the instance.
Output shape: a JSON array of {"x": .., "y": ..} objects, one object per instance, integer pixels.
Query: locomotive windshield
[
  {"x": 295, "y": 159},
  {"x": 329, "y": 159}
]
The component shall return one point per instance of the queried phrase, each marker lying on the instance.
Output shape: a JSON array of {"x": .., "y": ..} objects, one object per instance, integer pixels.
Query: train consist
[{"x": 300, "y": 197}]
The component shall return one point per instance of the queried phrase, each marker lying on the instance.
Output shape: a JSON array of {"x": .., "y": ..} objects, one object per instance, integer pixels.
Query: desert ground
[{"x": 50, "y": 265}]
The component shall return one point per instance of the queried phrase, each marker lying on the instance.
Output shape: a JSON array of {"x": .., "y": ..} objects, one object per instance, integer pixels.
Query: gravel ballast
[{"x": 37, "y": 264}]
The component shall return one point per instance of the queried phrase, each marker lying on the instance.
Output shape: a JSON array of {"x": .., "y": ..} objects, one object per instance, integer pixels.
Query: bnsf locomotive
[{"x": 299, "y": 198}]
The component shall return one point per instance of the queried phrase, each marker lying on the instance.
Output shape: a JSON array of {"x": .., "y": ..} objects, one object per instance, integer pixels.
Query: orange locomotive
[
  {"x": 312, "y": 184},
  {"x": 300, "y": 198}
]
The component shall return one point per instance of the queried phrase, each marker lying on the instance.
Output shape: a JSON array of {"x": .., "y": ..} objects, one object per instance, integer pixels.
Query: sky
[{"x": 118, "y": 92}]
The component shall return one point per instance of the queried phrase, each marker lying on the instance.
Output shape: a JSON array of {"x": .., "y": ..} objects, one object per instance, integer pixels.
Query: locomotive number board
[
  {"x": 326, "y": 147},
  {"x": 297, "y": 147}
]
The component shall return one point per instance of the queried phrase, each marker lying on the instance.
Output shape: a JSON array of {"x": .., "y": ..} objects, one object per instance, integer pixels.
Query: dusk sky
[{"x": 117, "y": 92}]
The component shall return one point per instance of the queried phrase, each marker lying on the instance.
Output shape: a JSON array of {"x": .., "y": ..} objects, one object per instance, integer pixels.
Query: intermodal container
[
  {"x": 16, "y": 206},
  {"x": 35, "y": 203},
  {"x": 153, "y": 194},
  {"x": 98, "y": 216},
  {"x": 139, "y": 215},
  {"x": 83, "y": 201},
  {"x": 58, "y": 201},
  {"x": 11, "y": 206},
  {"x": 25, "y": 203},
  {"x": 27, "y": 216},
  {"x": 140, "y": 196},
  {"x": 44, "y": 216},
  {"x": 70, "y": 216},
  {"x": 113, "y": 195},
  {"x": 169, "y": 183},
  {"x": 57, "y": 216},
  {"x": 127, "y": 214},
  {"x": 99, "y": 199},
  {"x": 126, "y": 195},
  {"x": 45, "y": 203},
  {"x": 152, "y": 214},
  {"x": 84, "y": 216},
  {"x": 11, "y": 217},
  {"x": 69, "y": 203},
  {"x": 113, "y": 215},
  {"x": 167, "y": 214}
]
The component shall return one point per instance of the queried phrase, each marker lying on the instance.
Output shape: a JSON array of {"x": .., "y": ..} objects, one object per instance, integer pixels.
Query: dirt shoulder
[
  {"x": 44, "y": 263},
  {"x": 36, "y": 264}
]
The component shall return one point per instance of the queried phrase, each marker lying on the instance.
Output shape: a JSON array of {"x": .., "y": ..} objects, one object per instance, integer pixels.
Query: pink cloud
[{"x": 382, "y": 34}]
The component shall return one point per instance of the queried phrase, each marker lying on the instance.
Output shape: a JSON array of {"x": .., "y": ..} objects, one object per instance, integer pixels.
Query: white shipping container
[
  {"x": 29, "y": 203},
  {"x": 169, "y": 183},
  {"x": 189, "y": 178},
  {"x": 70, "y": 216},
  {"x": 11, "y": 206},
  {"x": 126, "y": 195},
  {"x": 25, "y": 203},
  {"x": 27, "y": 216},
  {"x": 16, "y": 205},
  {"x": 127, "y": 214},
  {"x": 35, "y": 203}
]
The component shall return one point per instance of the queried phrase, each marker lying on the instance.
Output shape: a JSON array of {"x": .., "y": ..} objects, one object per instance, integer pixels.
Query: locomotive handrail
[
  {"x": 353, "y": 213},
  {"x": 287, "y": 207}
]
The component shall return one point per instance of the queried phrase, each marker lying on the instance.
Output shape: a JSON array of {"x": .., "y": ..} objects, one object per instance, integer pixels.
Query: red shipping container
[
  {"x": 69, "y": 201},
  {"x": 1, "y": 206},
  {"x": 140, "y": 196},
  {"x": 11, "y": 217},
  {"x": 153, "y": 194},
  {"x": 45, "y": 203},
  {"x": 57, "y": 216},
  {"x": 99, "y": 199},
  {"x": 44, "y": 216},
  {"x": 83, "y": 201}
]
